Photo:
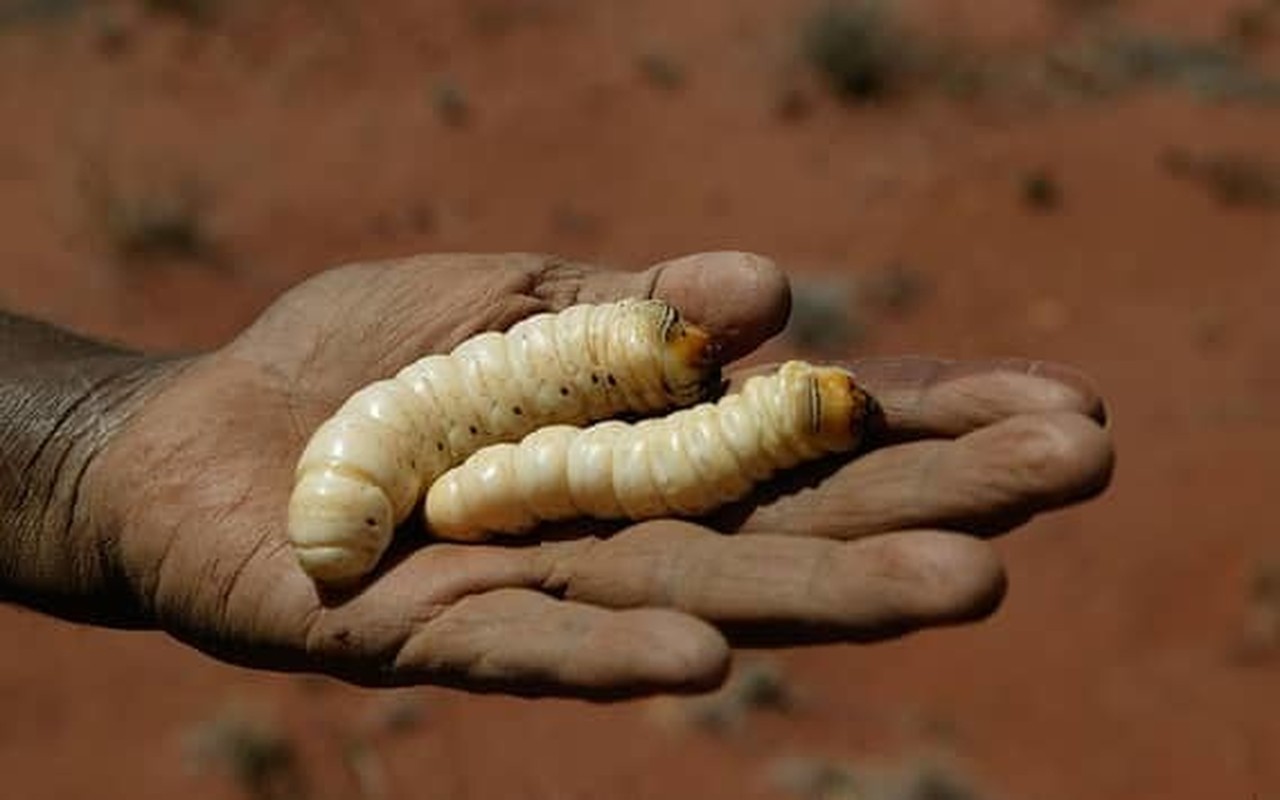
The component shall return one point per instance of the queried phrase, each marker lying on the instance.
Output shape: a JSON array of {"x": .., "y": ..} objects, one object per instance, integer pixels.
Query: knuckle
[
  {"x": 565, "y": 563},
  {"x": 555, "y": 280}
]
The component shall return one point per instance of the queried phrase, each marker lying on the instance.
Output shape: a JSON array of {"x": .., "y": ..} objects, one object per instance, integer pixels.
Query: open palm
[{"x": 191, "y": 495}]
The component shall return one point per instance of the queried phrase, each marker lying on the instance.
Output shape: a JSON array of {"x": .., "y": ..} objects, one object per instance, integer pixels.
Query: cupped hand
[{"x": 188, "y": 499}]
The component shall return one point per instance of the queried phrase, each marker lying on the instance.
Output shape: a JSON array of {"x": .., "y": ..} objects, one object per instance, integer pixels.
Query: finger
[
  {"x": 784, "y": 589},
  {"x": 923, "y": 396},
  {"x": 475, "y": 617},
  {"x": 986, "y": 481},
  {"x": 742, "y": 299},
  {"x": 929, "y": 397},
  {"x": 522, "y": 641}
]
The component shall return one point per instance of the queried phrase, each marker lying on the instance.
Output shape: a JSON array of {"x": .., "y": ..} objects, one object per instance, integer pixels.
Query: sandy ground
[{"x": 313, "y": 134}]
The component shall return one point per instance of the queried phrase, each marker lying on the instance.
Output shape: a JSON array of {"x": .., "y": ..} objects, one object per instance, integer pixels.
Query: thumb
[{"x": 741, "y": 299}]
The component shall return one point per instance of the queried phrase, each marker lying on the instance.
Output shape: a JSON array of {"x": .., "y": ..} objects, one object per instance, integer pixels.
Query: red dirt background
[{"x": 314, "y": 134}]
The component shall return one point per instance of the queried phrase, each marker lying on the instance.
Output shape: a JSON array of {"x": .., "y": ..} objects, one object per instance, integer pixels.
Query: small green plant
[
  {"x": 251, "y": 751},
  {"x": 825, "y": 318},
  {"x": 16, "y": 12},
  {"x": 1234, "y": 179},
  {"x": 754, "y": 686},
  {"x": 1260, "y": 637},
  {"x": 1117, "y": 59},
  {"x": 500, "y": 17},
  {"x": 815, "y": 779},
  {"x": 570, "y": 220},
  {"x": 893, "y": 290},
  {"x": 1252, "y": 24},
  {"x": 111, "y": 30},
  {"x": 395, "y": 713},
  {"x": 450, "y": 103},
  {"x": 194, "y": 12},
  {"x": 150, "y": 220},
  {"x": 1084, "y": 8},
  {"x": 792, "y": 103},
  {"x": 857, "y": 48},
  {"x": 1040, "y": 190},
  {"x": 168, "y": 223},
  {"x": 661, "y": 70},
  {"x": 831, "y": 315},
  {"x": 908, "y": 779}
]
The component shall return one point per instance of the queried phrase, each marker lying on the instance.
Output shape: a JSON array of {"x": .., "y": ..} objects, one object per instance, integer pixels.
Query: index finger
[
  {"x": 936, "y": 397},
  {"x": 923, "y": 397}
]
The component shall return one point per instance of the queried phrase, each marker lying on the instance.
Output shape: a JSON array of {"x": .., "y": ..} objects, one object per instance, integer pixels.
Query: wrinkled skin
[{"x": 189, "y": 499}]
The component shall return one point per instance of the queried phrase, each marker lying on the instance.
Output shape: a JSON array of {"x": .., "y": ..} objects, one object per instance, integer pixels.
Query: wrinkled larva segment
[
  {"x": 365, "y": 449},
  {"x": 366, "y": 468},
  {"x": 542, "y": 471},
  {"x": 590, "y": 465},
  {"x": 687, "y": 463}
]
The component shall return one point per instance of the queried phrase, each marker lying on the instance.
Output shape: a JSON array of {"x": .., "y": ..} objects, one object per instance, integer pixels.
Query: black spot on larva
[
  {"x": 612, "y": 380},
  {"x": 517, "y": 410},
  {"x": 371, "y": 522},
  {"x": 564, "y": 391},
  {"x": 595, "y": 378},
  {"x": 439, "y": 447},
  {"x": 474, "y": 430}
]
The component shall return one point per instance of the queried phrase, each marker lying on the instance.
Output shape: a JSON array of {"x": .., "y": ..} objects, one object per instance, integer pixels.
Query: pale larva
[
  {"x": 365, "y": 468},
  {"x": 685, "y": 464}
]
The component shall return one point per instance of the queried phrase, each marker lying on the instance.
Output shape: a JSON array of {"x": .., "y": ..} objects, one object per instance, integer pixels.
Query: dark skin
[{"x": 151, "y": 493}]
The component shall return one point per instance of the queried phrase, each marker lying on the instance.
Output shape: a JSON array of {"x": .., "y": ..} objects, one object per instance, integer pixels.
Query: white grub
[
  {"x": 366, "y": 468},
  {"x": 684, "y": 464}
]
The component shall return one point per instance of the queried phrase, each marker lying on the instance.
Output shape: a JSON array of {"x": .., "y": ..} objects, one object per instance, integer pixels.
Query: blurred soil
[{"x": 1013, "y": 204}]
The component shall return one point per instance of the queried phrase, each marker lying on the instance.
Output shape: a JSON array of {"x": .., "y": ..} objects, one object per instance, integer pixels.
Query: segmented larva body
[
  {"x": 686, "y": 463},
  {"x": 366, "y": 468}
]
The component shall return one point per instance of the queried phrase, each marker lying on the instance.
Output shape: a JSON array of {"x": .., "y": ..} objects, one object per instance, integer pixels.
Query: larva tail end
[
  {"x": 333, "y": 568},
  {"x": 849, "y": 416},
  {"x": 339, "y": 525}
]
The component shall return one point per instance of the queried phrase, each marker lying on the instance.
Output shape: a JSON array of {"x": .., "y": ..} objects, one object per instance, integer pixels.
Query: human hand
[{"x": 188, "y": 500}]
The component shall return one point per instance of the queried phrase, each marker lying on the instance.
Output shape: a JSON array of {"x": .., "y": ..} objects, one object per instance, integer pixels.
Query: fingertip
[
  {"x": 956, "y": 405},
  {"x": 742, "y": 298},
  {"x": 978, "y": 579},
  {"x": 692, "y": 656},
  {"x": 1057, "y": 457},
  {"x": 1088, "y": 456},
  {"x": 959, "y": 578},
  {"x": 1062, "y": 388}
]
